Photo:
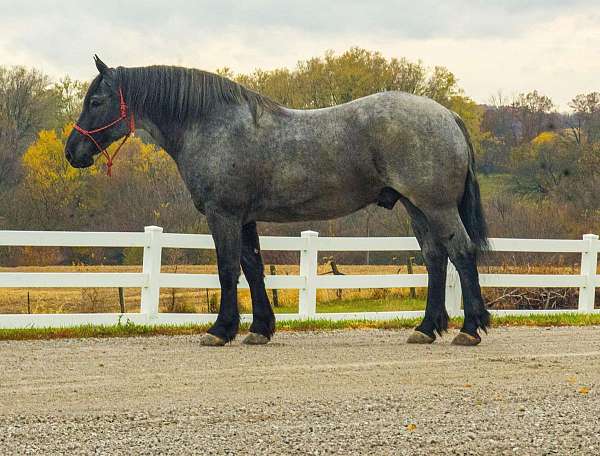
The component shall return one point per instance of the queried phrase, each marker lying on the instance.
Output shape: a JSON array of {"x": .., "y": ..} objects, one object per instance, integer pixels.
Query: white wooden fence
[{"x": 151, "y": 279}]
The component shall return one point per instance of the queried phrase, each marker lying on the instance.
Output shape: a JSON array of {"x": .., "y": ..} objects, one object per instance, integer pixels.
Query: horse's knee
[
  {"x": 435, "y": 256},
  {"x": 253, "y": 267},
  {"x": 229, "y": 276}
]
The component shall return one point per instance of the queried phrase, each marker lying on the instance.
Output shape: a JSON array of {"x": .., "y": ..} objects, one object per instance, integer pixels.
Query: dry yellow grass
[{"x": 70, "y": 300}]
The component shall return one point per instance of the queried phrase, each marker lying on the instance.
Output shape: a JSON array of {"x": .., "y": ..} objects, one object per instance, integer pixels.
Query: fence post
[
  {"x": 151, "y": 266},
  {"x": 453, "y": 291},
  {"x": 589, "y": 260},
  {"x": 307, "y": 302}
]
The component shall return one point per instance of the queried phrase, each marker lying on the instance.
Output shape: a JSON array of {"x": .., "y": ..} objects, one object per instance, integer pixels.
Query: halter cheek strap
[{"x": 123, "y": 115}]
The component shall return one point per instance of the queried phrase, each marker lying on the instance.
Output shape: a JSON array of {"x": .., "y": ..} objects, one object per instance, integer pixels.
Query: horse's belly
[{"x": 324, "y": 206}]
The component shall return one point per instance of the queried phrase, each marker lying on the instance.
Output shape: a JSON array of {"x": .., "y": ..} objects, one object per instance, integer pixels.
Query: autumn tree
[
  {"x": 29, "y": 102},
  {"x": 68, "y": 94},
  {"x": 52, "y": 192},
  {"x": 334, "y": 79},
  {"x": 541, "y": 166},
  {"x": 532, "y": 115},
  {"x": 585, "y": 122},
  {"x": 26, "y": 106},
  {"x": 145, "y": 189}
]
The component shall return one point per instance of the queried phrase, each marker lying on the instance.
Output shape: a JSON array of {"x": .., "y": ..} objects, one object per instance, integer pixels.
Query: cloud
[{"x": 549, "y": 45}]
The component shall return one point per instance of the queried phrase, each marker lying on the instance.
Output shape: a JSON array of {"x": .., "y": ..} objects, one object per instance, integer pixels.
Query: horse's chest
[{"x": 225, "y": 185}]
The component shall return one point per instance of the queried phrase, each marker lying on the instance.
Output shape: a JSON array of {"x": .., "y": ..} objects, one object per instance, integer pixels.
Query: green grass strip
[{"x": 133, "y": 330}]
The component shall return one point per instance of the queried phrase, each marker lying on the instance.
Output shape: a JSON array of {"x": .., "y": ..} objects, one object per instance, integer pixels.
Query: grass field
[
  {"x": 54, "y": 300},
  {"x": 74, "y": 300},
  {"x": 71, "y": 300},
  {"x": 493, "y": 184},
  {"x": 132, "y": 330}
]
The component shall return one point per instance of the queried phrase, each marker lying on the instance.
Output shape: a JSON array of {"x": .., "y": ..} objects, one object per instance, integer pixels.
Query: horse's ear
[{"x": 102, "y": 67}]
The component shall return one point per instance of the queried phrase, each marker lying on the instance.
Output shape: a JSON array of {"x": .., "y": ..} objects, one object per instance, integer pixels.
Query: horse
[{"x": 246, "y": 158}]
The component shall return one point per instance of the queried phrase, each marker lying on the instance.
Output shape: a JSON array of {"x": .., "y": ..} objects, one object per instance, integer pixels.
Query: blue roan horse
[{"x": 245, "y": 158}]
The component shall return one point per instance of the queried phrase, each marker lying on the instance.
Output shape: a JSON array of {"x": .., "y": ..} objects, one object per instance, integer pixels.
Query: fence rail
[{"x": 309, "y": 244}]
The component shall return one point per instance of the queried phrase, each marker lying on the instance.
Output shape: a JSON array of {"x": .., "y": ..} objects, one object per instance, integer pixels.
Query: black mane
[{"x": 183, "y": 94}]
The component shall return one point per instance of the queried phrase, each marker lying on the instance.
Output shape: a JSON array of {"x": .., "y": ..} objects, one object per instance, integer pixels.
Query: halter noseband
[{"x": 123, "y": 115}]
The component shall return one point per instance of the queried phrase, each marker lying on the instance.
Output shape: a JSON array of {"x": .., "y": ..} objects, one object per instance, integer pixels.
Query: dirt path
[{"x": 523, "y": 391}]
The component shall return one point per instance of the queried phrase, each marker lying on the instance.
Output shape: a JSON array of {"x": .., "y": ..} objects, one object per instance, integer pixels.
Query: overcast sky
[{"x": 513, "y": 46}]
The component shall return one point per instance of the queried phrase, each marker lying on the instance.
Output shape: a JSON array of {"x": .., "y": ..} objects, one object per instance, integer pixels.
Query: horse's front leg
[
  {"x": 263, "y": 318},
  {"x": 227, "y": 233}
]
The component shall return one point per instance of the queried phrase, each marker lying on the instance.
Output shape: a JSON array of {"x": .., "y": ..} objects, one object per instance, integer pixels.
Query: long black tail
[{"x": 470, "y": 209}]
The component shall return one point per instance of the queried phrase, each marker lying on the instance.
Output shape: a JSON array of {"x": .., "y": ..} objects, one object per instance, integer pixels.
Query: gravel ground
[{"x": 522, "y": 391}]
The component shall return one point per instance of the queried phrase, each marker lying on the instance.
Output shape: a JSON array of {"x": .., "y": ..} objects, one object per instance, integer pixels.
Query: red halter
[{"x": 123, "y": 116}]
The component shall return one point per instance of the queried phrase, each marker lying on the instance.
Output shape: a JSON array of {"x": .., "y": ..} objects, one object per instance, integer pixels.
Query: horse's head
[{"x": 103, "y": 119}]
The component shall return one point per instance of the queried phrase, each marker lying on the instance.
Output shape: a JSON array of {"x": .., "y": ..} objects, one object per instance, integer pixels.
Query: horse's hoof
[
  {"x": 255, "y": 339},
  {"x": 465, "y": 339},
  {"x": 417, "y": 337},
  {"x": 210, "y": 340}
]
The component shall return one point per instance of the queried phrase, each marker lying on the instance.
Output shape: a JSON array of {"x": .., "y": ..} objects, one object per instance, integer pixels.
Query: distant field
[
  {"x": 493, "y": 184},
  {"x": 71, "y": 300}
]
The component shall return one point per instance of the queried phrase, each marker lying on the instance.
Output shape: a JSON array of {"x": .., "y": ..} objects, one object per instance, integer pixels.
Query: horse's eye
[{"x": 95, "y": 103}]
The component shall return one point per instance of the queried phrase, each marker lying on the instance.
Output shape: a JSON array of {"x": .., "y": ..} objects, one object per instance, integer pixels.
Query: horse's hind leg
[
  {"x": 436, "y": 259},
  {"x": 450, "y": 230},
  {"x": 263, "y": 318}
]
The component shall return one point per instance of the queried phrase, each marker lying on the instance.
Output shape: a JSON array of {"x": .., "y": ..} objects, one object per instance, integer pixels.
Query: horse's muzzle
[{"x": 78, "y": 162}]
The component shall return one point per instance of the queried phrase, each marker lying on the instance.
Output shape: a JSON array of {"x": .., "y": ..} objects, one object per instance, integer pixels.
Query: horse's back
[{"x": 408, "y": 142}]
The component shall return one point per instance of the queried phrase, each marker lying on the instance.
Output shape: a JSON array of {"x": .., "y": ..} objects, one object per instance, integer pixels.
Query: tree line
[{"x": 538, "y": 167}]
